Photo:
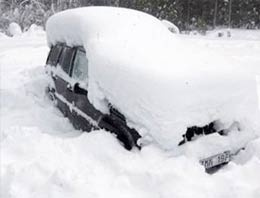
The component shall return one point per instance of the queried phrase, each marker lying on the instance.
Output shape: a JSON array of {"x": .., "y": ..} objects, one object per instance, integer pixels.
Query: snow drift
[{"x": 161, "y": 82}]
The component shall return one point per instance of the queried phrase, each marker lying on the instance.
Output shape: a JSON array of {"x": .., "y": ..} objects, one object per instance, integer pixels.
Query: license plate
[{"x": 216, "y": 160}]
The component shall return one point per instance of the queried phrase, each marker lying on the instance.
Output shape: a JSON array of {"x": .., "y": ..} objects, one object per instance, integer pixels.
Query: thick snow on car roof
[
  {"x": 78, "y": 25},
  {"x": 163, "y": 83}
]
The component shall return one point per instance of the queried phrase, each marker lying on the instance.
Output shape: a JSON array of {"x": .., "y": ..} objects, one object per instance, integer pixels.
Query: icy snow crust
[{"x": 160, "y": 81}]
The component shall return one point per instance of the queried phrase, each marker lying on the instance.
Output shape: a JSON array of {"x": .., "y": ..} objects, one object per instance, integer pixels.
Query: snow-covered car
[
  {"x": 69, "y": 70},
  {"x": 122, "y": 70}
]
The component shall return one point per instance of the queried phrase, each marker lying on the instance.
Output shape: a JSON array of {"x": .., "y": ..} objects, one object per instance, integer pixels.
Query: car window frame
[
  {"x": 50, "y": 60},
  {"x": 49, "y": 56}
]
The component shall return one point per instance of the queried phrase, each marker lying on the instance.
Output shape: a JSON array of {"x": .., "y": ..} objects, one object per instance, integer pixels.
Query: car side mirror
[{"x": 77, "y": 89}]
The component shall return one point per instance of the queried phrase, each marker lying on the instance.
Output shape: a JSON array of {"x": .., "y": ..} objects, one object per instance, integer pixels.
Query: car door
[
  {"x": 85, "y": 115},
  {"x": 62, "y": 80}
]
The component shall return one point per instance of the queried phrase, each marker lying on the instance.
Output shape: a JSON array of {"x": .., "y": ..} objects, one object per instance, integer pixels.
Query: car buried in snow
[{"x": 123, "y": 71}]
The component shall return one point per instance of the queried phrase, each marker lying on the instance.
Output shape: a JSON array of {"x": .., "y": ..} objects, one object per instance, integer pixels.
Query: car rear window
[
  {"x": 54, "y": 55},
  {"x": 66, "y": 59}
]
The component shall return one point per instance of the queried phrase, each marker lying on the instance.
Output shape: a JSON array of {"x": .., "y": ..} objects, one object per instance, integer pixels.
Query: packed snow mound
[
  {"x": 14, "y": 29},
  {"x": 162, "y": 82},
  {"x": 173, "y": 28}
]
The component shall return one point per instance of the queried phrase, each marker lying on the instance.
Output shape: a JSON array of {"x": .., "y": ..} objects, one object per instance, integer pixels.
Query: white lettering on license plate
[{"x": 216, "y": 160}]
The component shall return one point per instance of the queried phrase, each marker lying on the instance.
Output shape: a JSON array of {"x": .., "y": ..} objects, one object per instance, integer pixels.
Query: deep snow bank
[
  {"x": 163, "y": 83},
  {"x": 42, "y": 165}
]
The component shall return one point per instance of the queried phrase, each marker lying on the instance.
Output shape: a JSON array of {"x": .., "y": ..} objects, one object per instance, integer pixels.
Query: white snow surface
[
  {"x": 14, "y": 29},
  {"x": 162, "y": 82},
  {"x": 41, "y": 155},
  {"x": 235, "y": 34}
]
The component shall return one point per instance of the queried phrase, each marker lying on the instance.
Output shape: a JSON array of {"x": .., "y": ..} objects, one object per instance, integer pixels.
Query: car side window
[
  {"x": 80, "y": 66},
  {"x": 66, "y": 59},
  {"x": 54, "y": 55}
]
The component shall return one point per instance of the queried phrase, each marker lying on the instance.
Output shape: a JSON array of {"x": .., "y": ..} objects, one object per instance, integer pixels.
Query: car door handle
[
  {"x": 77, "y": 89},
  {"x": 54, "y": 76},
  {"x": 69, "y": 88}
]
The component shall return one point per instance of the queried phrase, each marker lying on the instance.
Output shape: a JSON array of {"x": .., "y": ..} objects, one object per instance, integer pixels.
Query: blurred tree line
[{"x": 186, "y": 14}]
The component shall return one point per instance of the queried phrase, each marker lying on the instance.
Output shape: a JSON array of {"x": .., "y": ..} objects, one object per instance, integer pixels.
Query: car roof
[{"x": 75, "y": 26}]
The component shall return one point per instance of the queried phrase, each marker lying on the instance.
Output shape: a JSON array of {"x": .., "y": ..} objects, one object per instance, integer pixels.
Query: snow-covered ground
[{"x": 43, "y": 156}]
